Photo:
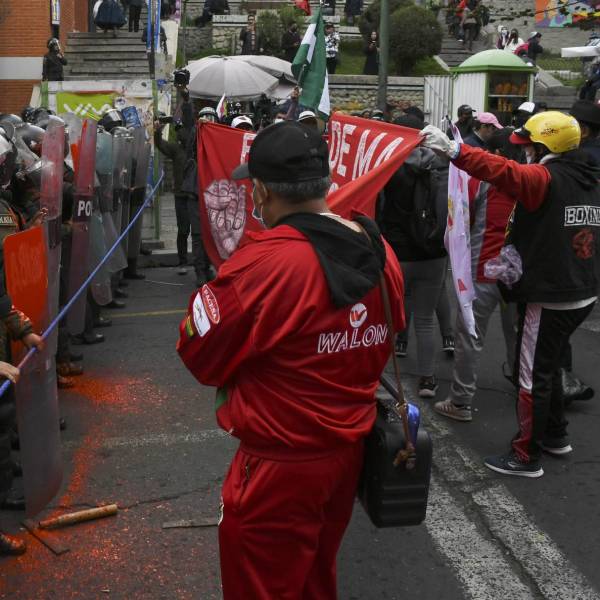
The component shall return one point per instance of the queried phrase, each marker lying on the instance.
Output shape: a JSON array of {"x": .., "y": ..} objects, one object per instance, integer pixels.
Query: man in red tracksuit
[
  {"x": 556, "y": 231},
  {"x": 293, "y": 333}
]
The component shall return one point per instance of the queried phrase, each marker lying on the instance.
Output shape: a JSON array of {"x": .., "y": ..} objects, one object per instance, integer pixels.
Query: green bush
[
  {"x": 272, "y": 24},
  {"x": 370, "y": 19},
  {"x": 289, "y": 14},
  {"x": 414, "y": 34}
]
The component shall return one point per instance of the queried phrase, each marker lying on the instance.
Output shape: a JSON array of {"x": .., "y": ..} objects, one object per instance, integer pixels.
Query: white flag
[{"x": 458, "y": 239}]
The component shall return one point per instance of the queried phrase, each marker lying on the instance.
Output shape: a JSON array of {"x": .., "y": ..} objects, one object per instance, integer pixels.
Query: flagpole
[{"x": 384, "y": 51}]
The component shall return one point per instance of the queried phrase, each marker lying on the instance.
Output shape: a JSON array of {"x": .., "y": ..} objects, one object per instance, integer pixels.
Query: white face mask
[
  {"x": 258, "y": 215},
  {"x": 529, "y": 154}
]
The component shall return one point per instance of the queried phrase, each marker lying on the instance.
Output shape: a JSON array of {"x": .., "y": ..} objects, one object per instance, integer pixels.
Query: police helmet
[
  {"x": 209, "y": 113},
  {"x": 111, "y": 119},
  {"x": 27, "y": 114},
  {"x": 8, "y": 158},
  {"x": 32, "y": 136}
]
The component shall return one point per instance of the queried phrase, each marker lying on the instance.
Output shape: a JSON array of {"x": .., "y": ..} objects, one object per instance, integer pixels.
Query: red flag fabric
[
  {"x": 363, "y": 155},
  {"x": 303, "y": 5}
]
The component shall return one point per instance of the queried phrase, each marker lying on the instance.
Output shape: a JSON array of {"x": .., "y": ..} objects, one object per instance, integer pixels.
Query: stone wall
[
  {"x": 356, "y": 92},
  {"x": 508, "y": 12},
  {"x": 197, "y": 39}
]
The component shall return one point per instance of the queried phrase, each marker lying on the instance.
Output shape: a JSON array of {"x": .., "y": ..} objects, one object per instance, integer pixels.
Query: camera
[
  {"x": 181, "y": 77},
  {"x": 164, "y": 120}
]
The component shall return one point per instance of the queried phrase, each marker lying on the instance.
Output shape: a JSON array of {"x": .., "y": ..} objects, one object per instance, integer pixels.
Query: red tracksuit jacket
[{"x": 300, "y": 374}]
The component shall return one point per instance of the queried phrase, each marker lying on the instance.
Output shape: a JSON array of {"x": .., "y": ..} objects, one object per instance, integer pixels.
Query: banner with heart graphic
[{"x": 363, "y": 155}]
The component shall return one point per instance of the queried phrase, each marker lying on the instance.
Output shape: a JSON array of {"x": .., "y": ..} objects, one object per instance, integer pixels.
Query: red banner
[{"x": 363, "y": 155}]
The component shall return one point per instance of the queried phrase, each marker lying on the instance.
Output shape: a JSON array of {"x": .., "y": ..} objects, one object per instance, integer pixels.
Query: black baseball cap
[
  {"x": 286, "y": 151},
  {"x": 464, "y": 109}
]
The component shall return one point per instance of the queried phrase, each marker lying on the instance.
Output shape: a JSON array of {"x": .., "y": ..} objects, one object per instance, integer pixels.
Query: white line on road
[
  {"x": 157, "y": 439},
  {"x": 505, "y": 518},
  {"x": 478, "y": 562}
]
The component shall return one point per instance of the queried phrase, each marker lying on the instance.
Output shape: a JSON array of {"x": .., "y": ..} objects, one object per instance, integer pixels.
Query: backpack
[{"x": 427, "y": 221}]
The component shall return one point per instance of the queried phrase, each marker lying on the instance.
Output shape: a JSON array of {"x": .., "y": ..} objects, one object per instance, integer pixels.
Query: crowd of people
[
  {"x": 534, "y": 203},
  {"x": 122, "y": 155}
]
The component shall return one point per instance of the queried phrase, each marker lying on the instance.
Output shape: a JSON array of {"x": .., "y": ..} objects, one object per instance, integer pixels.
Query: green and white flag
[{"x": 310, "y": 68}]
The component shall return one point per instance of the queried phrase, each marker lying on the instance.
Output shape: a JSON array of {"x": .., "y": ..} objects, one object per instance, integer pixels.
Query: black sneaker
[
  {"x": 448, "y": 345},
  {"x": 509, "y": 464},
  {"x": 556, "y": 446},
  {"x": 428, "y": 387},
  {"x": 401, "y": 348}
]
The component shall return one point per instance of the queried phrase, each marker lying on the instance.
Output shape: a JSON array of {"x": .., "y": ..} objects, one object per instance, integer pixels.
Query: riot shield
[
  {"x": 104, "y": 169},
  {"x": 123, "y": 156},
  {"x": 74, "y": 125},
  {"x": 100, "y": 286},
  {"x": 51, "y": 200},
  {"x": 37, "y": 400},
  {"x": 140, "y": 177},
  {"x": 79, "y": 269}
]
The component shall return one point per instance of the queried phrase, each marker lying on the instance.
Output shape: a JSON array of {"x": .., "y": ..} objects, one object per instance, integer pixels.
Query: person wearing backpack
[{"x": 412, "y": 217}]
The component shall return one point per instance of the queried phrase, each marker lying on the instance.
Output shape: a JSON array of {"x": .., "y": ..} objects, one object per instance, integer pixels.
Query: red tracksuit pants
[{"x": 283, "y": 523}]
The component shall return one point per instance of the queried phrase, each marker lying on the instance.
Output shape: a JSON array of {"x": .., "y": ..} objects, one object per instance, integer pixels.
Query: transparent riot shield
[
  {"x": 51, "y": 199},
  {"x": 100, "y": 286},
  {"x": 105, "y": 159},
  {"x": 74, "y": 125},
  {"x": 25, "y": 256},
  {"x": 123, "y": 157},
  {"x": 85, "y": 173},
  {"x": 140, "y": 177}
]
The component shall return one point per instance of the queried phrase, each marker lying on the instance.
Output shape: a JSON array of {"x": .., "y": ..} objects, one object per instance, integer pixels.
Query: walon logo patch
[
  {"x": 576, "y": 216},
  {"x": 358, "y": 315}
]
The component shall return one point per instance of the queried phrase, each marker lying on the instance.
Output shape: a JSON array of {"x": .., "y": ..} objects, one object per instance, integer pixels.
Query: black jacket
[
  {"x": 290, "y": 42},
  {"x": 177, "y": 155},
  {"x": 591, "y": 146},
  {"x": 474, "y": 140},
  {"x": 398, "y": 202},
  {"x": 559, "y": 243},
  {"x": 52, "y": 69}
]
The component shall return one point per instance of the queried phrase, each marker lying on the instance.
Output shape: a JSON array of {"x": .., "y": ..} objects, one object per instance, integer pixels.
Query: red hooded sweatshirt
[{"x": 299, "y": 374}]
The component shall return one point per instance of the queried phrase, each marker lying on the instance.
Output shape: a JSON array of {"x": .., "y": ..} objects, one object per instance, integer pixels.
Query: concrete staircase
[
  {"x": 550, "y": 90},
  {"x": 100, "y": 56}
]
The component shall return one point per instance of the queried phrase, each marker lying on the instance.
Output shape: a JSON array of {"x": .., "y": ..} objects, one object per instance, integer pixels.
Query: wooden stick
[{"x": 80, "y": 516}]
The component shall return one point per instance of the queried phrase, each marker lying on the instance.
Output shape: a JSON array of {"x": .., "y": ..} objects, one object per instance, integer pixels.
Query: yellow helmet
[{"x": 555, "y": 130}]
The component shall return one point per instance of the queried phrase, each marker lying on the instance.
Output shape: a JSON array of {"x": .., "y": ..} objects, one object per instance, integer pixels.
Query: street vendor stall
[{"x": 494, "y": 81}]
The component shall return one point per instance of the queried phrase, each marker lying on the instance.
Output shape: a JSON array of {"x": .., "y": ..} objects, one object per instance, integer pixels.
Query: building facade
[{"x": 25, "y": 28}]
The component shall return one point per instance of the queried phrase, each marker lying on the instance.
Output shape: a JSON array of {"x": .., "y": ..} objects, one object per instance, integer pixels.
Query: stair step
[
  {"x": 108, "y": 77},
  {"x": 106, "y": 57},
  {"x": 108, "y": 70},
  {"x": 109, "y": 65},
  {"x": 86, "y": 35},
  {"x": 107, "y": 40}
]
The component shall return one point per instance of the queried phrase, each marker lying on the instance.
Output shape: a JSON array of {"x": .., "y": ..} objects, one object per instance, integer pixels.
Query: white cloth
[{"x": 438, "y": 141}]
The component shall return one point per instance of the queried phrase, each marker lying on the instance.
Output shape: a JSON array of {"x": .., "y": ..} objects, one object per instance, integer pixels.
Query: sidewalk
[{"x": 167, "y": 255}]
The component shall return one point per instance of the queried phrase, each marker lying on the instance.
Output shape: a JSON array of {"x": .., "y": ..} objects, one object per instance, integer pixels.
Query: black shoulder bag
[{"x": 394, "y": 483}]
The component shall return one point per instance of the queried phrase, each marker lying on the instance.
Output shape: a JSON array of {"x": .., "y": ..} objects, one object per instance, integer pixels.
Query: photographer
[{"x": 54, "y": 60}]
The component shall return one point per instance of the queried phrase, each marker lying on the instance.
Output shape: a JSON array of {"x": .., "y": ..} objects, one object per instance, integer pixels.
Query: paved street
[{"x": 142, "y": 433}]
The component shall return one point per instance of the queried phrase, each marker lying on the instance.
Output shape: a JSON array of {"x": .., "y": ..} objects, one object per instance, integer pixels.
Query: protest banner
[
  {"x": 363, "y": 155},
  {"x": 458, "y": 240}
]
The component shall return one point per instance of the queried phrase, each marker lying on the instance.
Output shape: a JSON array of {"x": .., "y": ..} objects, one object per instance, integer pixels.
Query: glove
[{"x": 438, "y": 141}]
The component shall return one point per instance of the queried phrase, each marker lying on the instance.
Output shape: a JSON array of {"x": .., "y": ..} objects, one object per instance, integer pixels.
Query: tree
[
  {"x": 414, "y": 34},
  {"x": 370, "y": 19}
]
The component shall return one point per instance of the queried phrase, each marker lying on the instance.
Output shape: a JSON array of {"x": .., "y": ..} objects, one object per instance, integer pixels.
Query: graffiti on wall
[{"x": 558, "y": 13}]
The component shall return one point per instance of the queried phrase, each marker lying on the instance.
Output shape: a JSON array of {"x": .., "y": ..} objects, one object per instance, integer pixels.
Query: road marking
[
  {"x": 477, "y": 561},
  {"x": 504, "y": 519},
  {"x": 157, "y": 439},
  {"x": 152, "y": 313}
]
